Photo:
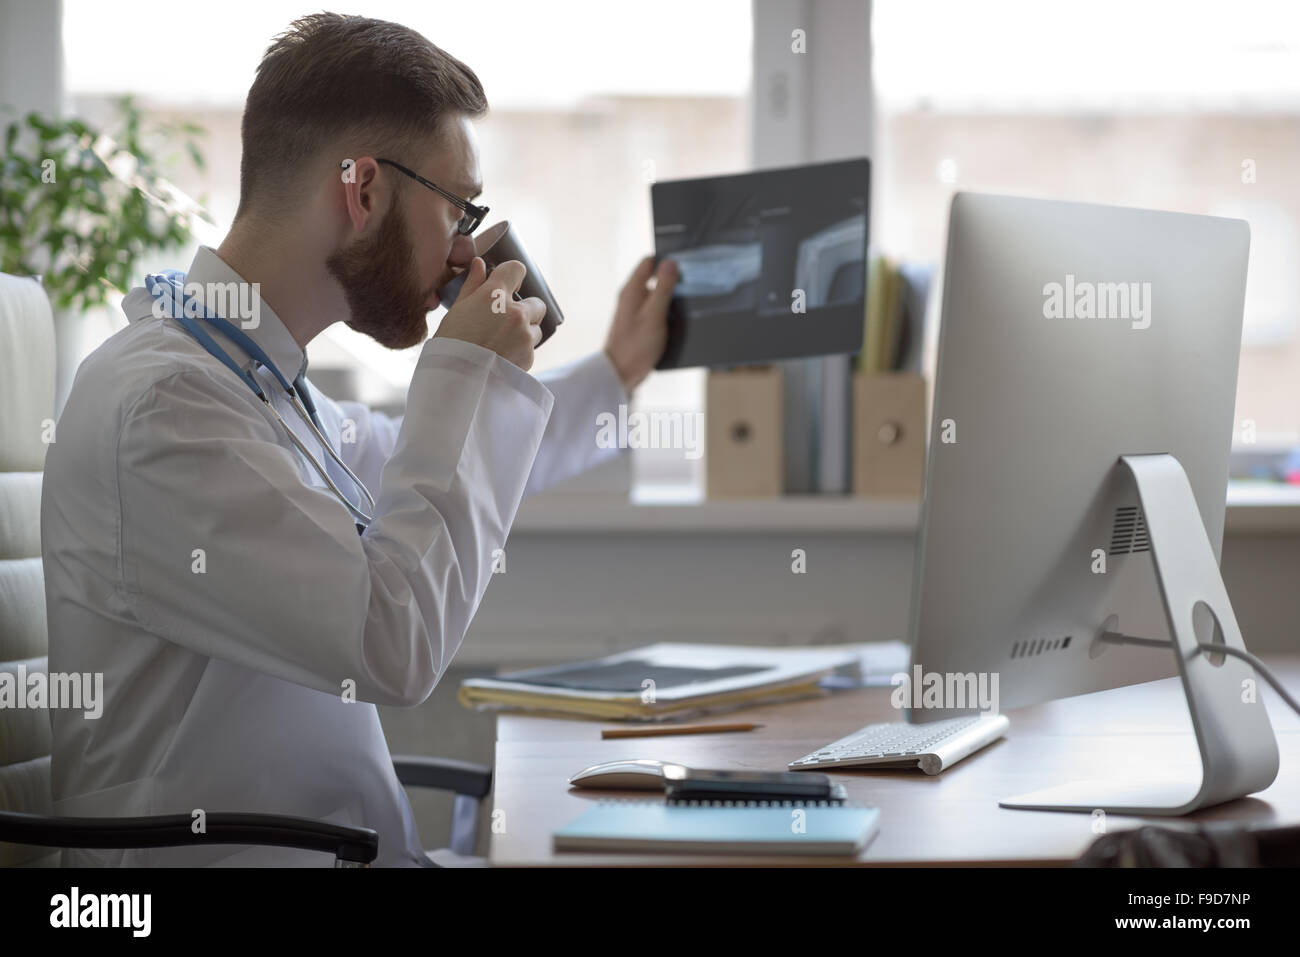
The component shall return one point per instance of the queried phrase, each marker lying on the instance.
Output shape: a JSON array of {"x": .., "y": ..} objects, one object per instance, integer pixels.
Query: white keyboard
[{"x": 931, "y": 747}]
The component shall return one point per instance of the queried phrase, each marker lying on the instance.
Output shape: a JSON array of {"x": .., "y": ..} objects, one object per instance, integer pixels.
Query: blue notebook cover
[{"x": 776, "y": 827}]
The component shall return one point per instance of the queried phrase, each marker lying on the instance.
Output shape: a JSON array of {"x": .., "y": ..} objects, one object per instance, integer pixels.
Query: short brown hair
[{"x": 331, "y": 76}]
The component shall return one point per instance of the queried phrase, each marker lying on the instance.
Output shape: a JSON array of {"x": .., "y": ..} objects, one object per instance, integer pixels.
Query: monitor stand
[{"x": 1238, "y": 750}]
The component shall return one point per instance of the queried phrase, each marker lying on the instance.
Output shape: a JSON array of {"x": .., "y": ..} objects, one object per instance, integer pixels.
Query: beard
[{"x": 379, "y": 281}]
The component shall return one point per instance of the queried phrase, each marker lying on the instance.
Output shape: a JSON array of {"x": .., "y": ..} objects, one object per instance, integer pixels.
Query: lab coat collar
[{"x": 270, "y": 333}]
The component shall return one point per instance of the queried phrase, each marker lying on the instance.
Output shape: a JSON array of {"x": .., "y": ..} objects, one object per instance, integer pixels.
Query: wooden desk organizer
[
  {"x": 888, "y": 434},
  {"x": 746, "y": 438},
  {"x": 745, "y": 433}
]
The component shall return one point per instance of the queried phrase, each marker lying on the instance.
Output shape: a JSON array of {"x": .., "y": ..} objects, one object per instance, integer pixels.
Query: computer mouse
[{"x": 641, "y": 774}]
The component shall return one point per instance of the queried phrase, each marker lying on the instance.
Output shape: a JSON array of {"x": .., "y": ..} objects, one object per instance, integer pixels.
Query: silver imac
[{"x": 1076, "y": 478}]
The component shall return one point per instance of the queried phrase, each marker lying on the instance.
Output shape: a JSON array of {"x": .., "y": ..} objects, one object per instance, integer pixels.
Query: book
[
  {"x": 872, "y": 358},
  {"x": 834, "y": 432},
  {"x": 721, "y": 827},
  {"x": 800, "y": 412},
  {"x": 891, "y": 324},
  {"x": 664, "y": 680},
  {"x": 919, "y": 278}
]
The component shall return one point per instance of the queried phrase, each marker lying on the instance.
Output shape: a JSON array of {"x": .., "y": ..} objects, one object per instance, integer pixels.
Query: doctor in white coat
[{"x": 195, "y": 555}]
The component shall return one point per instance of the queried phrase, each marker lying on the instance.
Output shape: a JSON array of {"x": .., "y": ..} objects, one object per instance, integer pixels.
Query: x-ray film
[{"x": 772, "y": 264}]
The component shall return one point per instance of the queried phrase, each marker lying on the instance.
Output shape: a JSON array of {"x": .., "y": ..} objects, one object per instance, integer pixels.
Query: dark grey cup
[{"x": 498, "y": 244}]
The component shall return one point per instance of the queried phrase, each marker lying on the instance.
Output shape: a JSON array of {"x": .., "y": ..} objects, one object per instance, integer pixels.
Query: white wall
[
  {"x": 31, "y": 55},
  {"x": 571, "y": 594}
]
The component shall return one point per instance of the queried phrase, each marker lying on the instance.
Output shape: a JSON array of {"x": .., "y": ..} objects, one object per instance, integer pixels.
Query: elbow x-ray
[{"x": 772, "y": 264}]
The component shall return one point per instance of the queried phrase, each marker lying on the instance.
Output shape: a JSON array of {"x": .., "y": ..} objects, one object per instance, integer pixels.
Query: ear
[{"x": 364, "y": 190}]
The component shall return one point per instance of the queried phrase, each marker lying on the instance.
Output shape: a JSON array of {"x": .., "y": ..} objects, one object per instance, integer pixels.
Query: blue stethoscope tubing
[{"x": 168, "y": 284}]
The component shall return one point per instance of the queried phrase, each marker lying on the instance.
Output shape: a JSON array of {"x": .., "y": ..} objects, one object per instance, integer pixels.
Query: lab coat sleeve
[
  {"x": 583, "y": 389},
  {"x": 373, "y": 437},
  {"x": 226, "y": 550}
]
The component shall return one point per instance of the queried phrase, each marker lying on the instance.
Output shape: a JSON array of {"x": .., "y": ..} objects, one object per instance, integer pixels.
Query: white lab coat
[{"x": 198, "y": 562}]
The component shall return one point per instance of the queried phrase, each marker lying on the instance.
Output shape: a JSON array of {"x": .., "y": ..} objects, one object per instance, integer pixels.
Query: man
[{"x": 193, "y": 555}]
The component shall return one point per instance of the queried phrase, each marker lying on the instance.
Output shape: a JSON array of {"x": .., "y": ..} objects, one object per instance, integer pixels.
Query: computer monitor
[{"x": 1077, "y": 474}]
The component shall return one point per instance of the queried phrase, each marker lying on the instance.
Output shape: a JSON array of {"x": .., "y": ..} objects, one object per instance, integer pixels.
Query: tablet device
[{"x": 771, "y": 264}]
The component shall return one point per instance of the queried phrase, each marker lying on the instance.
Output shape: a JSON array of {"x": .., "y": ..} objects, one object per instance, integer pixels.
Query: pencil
[{"x": 678, "y": 729}]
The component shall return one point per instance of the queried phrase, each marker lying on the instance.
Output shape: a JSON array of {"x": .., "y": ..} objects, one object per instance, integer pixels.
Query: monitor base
[
  {"x": 1233, "y": 734},
  {"x": 1159, "y": 798}
]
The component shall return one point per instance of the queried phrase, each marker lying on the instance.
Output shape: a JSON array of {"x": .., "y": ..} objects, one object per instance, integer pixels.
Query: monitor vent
[
  {"x": 1130, "y": 532},
  {"x": 1036, "y": 646}
]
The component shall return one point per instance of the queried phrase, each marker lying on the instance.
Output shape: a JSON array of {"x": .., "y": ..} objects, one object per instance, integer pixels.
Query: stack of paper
[{"x": 666, "y": 680}]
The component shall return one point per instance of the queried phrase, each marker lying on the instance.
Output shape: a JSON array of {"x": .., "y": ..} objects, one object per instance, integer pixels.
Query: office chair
[
  {"x": 27, "y": 828},
  {"x": 1213, "y": 844}
]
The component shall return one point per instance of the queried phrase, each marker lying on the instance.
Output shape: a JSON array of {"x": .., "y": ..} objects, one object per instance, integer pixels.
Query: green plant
[{"x": 80, "y": 208}]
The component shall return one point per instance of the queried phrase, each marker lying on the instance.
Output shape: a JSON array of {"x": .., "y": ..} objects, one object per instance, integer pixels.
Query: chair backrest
[{"x": 27, "y": 368}]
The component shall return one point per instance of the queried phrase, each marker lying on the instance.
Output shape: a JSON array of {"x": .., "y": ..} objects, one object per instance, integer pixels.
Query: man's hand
[
  {"x": 639, "y": 331},
  {"x": 487, "y": 314}
]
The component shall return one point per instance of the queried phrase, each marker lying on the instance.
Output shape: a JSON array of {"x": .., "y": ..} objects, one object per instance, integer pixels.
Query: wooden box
[
  {"x": 745, "y": 433},
  {"x": 888, "y": 435}
]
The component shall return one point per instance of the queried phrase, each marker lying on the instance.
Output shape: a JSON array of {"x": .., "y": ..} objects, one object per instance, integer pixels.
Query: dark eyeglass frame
[{"x": 473, "y": 215}]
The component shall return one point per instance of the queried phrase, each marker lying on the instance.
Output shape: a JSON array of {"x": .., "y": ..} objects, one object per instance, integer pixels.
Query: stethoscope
[{"x": 165, "y": 284}]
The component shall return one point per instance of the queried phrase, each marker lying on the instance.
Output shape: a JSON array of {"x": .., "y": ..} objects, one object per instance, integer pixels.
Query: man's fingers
[
  {"x": 476, "y": 275},
  {"x": 534, "y": 340},
  {"x": 509, "y": 276},
  {"x": 665, "y": 281},
  {"x": 634, "y": 290},
  {"x": 534, "y": 309}
]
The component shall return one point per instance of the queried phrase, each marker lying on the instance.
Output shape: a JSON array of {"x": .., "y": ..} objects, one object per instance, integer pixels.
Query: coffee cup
[{"x": 498, "y": 244}]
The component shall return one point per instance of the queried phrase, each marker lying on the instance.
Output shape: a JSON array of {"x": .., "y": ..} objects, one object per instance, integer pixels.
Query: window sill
[{"x": 1253, "y": 509}]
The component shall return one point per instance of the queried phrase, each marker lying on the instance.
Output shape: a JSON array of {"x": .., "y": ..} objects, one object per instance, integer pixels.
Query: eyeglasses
[{"x": 473, "y": 215}]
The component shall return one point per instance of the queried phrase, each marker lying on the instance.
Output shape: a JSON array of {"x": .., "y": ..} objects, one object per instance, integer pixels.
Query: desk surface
[{"x": 951, "y": 818}]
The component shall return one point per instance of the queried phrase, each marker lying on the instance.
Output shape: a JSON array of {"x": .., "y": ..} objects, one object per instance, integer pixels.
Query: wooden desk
[{"x": 952, "y": 818}]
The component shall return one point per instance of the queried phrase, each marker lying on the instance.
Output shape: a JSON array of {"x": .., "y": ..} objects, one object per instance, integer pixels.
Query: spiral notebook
[{"x": 721, "y": 827}]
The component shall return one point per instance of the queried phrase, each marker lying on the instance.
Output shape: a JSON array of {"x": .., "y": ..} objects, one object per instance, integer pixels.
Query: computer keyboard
[{"x": 932, "y": 747}]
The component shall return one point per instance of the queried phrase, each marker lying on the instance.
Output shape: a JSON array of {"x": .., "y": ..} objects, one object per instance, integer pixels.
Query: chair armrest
[
  {"x": 445, "y": 774},
  {"x": 354, "y": 845}
]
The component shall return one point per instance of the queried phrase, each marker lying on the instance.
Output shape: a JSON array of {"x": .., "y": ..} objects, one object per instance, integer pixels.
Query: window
[
  {"x": 588, "y": 104},
  {"x": 1188, "y": 106}
]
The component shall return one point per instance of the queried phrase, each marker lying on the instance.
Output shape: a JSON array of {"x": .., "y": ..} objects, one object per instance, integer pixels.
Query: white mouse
[{"x": 635, "y": 775}]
